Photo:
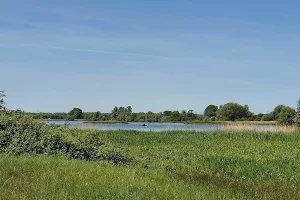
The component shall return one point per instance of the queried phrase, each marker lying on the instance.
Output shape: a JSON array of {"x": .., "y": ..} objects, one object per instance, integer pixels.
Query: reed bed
[{"x": 258, "y": 128}]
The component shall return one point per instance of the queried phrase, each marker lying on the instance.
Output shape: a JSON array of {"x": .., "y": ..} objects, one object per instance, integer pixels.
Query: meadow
[
  {"x": 166, "y": 165},
  {"x": 39, "y": 161}
]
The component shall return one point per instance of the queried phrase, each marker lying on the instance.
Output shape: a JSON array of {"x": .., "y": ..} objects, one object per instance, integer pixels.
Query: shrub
[
  {"x": 116, "y": 155},
  {"x": 211, "y": 111},
  {"x": 297, "y": 117},
  {"x": 286, "y": 116},
  {"x": 232, "y": 112},
  {"x": 20, "y": 134},
  {"x": 267, "y": 117}
]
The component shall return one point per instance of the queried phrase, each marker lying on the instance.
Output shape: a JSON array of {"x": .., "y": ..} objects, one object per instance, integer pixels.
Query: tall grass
[
  {"x": 223, "y": 164},
  {"x": 258, "y": 128}
]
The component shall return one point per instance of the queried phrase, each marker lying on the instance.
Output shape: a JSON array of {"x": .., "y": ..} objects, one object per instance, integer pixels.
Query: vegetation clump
[
  {"x": 20, "y": 134},
  {"x": 2, "y": 103}
]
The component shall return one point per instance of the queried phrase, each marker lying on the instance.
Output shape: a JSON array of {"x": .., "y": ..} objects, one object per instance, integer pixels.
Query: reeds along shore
[{"x": 258, "y": 128}]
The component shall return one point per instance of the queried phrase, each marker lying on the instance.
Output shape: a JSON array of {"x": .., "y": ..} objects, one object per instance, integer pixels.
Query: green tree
[
  {"x": 167, "y": 113},
  {"x": 175, "y": 116},
  {"x": 277, "y": 111},
  {"x": 258, "y": 117},
  {"x": 211, "y": 111},
  {"x": 2, "y": 102},
  {"x": 286, "y": 116},
  {"x": 115, "y": 112},
  {"x": 232, "y": 111},
  {"x": 267, "y": 117},
  {"x": 76, "y": 113},
  {"x": 297, "y": 117}
]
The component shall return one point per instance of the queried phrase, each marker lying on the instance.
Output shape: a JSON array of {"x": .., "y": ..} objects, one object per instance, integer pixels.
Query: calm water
[{"x": 153, "y": 126}]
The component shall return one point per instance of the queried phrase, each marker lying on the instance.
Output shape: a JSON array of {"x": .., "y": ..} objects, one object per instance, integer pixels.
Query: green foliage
[
  {"x": 121, "y": 113},
  {"x": 277, "y": 111},
  {"x": 211, "y": 111},
  {"x": 2, "y": 102},
  {"x": 175, "y": 116},
  {"x": 20, "y": 134},
  {"x": 232, "y": 112},
  {"x": 258, "y": 117},
  {"x": 115, "y": 155},
  {"x": 286, "y": 116},
  {"x": 297, "y": 117},
  {"x": 76, "y": 113},
  {"x": 164, "y": 165},
  {"x": 92, "y": 116},
  {"x": 167, "y": 113},
  {"x": 267, "y": 117}
]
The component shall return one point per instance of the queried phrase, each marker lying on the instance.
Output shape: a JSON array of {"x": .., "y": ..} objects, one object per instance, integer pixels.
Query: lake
[{"x": 156, "y": 126}]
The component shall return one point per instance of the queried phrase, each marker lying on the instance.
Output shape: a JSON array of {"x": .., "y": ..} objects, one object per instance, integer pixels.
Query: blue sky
[{"x": 153, "y": 55}]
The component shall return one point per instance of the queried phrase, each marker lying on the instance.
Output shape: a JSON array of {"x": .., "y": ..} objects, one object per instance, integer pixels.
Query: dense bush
[
  {"x": 76, "y": 113},
  {"x": 297, "y": 117},
  {"x": 211, "y": 111},
  {"x": 2, "y": 103},
  {"x": 20, "y": 134},
  {"x": 115, "y": 155},
  {"x": 232, "y": 112},
  {"x": 286, "y": 116}
]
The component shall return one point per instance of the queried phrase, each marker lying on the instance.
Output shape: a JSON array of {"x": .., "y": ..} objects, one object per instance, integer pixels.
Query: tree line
[{"x": 228, "y": 112}]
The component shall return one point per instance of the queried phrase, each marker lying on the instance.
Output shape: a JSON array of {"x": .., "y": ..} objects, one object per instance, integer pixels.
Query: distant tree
[
  {"x": 286, "y": 116},
  {"x": 115, "y": 112},
  {"x": 277, "y": 111},
  {"x": 191, "y": 115},
  {"x": 232, "y": 111},
  {"x": 297, "y": 117},
  {"x": 267, "y": 117},
  {"x": 258, "y": 117},
  {"x": 92, "y": 116},
  {"x": 2, "y": 102},
  {"x": 76, "y": 113},
  {"x": 211, "y": 111},
  {"x": 175, "y": 116},
  {"x": 167, "y": 113},
  {"x": 129, "y": 109}
]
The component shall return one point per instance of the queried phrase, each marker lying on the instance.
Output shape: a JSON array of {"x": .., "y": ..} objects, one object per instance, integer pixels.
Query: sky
[{"x": 153, "y": 55}]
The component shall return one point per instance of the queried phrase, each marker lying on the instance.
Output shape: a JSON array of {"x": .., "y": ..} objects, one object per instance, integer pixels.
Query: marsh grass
[
  {"x": 233, "y": 122},
  {"x": 227, "y": 164},
  {"x": 258, "y": 128}
]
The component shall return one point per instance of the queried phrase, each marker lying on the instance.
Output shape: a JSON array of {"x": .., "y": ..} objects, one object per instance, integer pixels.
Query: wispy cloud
[{"x": 87, "y": 50}]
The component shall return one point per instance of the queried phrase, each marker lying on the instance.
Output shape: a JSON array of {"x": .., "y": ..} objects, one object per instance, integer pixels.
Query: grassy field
[{"x": 164, "y": 165}]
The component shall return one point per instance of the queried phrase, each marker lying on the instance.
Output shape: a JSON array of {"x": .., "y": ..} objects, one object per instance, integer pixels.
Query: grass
[{"x": 166, "y": 165}]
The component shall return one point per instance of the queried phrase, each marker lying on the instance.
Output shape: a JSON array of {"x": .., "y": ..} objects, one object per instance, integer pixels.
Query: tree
[
  {"x": 297, "y": 117},
  {"x": 2, "y": 102},
  {"x": 267, "y": 117},
  {"x": 277, "y": 111},
  {"x": 258, "y": 117},
  {"x": 211, "y": 111},
  {"x": 232, "y": 112},
  {"x": 76, "y": 113},
  {"x": 115, "y": 112},
  {"x": 167, "y": 113},
  {"x": 175, "y": 116},
  {"x": 286, "y": 116}
]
